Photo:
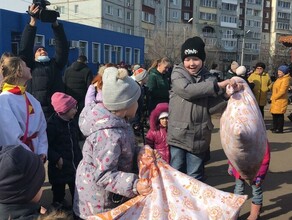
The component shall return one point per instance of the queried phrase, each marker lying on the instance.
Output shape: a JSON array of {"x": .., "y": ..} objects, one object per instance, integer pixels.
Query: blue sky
[{"x": 15, "y": 5}]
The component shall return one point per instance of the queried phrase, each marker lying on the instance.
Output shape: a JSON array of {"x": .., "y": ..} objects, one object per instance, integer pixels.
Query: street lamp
[{"x": 242, "y": 47}]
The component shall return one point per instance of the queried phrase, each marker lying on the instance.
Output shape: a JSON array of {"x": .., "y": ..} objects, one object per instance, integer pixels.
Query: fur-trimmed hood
[{"x": 154, "y": 122}]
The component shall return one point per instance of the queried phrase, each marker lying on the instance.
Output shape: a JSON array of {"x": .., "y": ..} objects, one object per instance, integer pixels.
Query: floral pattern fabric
[{"x": 175, "y": 196}]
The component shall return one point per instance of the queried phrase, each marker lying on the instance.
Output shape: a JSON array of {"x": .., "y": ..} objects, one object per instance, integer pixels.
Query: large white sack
[{"x": 243, "y": 132}]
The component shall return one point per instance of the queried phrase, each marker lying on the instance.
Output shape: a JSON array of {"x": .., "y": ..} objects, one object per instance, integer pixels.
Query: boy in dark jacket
[{"x": 64, "y": 152}]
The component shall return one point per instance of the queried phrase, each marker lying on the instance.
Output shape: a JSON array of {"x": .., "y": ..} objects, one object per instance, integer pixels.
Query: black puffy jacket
[
  {"x": 63, "y": 142},
  {"x": 46, "y": 76}
]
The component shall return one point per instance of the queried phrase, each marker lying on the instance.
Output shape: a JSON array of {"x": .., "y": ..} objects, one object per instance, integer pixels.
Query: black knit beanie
[
  {"x": 36, "y": 47},
  {"x": 260, "y": 64},
  {"x": 22, "y": 175},
  {"x": 194, "y": 46}
]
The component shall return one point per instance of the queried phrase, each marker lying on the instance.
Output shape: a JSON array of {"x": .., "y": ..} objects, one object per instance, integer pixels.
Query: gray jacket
[{"x": 192, "y": 101}]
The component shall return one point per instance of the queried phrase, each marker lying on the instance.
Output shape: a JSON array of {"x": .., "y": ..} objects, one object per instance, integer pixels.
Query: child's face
[
  {"x": 69, "y": 115},
  {"x": 163, "y": 122},
  {"x": 193, "y": 64}
]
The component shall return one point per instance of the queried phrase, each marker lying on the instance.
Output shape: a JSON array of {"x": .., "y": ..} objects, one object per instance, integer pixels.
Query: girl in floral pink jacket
[
  {"x": 157, "y": 134},
  {"x": 257, "y": 191}
]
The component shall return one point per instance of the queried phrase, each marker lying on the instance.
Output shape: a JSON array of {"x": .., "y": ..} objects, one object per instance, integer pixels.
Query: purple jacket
[
  {"x": 157, "y": 135},
  {"x": 92, "y": 95},
  {"x": 106, "y": 170}
]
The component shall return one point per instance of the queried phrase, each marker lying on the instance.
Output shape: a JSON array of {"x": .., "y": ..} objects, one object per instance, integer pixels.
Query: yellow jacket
[
  {"x": 279, "y": 96},
  {"x": 262, "y": 84}
]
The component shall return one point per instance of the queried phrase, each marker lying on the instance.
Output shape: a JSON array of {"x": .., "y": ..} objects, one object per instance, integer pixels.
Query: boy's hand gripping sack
[{"x": 243, "y": 131}]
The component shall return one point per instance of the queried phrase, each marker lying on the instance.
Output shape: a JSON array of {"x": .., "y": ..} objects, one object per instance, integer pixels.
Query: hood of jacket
[
  {"x": 153, "y": 120},
  {"x": 78, "y": 66},
  {"x": 95, "y": 117}
]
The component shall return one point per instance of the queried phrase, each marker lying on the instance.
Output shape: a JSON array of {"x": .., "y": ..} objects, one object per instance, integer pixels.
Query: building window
[
  {"x": 175, "y": 14},
  {"x": 268, "y": 4},
  {"x": 186, "y": 16},
  {"x": 128, "y": 55},
  {"x": 174, "y": 2},
  {"x": 95, "y": 53},
  {"x": 187, "y": 3},
  {"x": 229, "y": 7},
  {"x": 61, "y": 9},
  {"x": 120, "y": 13},
  {"x": 147, "y": 17},
  {"x": 83, "y": 48},
  {"x": 120, "y": 29},
  {"x": 208, "y": 16},
  {"x": 39, "y": 40},
  {"x": 107, "y": 58},
  {"x": 76, "y": 9},
  {"x": 283, "y": 4},
  {"x": 109, "y": 27},
  {"x": 119, "y": 53},
  {"x": 137, "y": 55},
  {"x": 209, "y": 3},
  {"x": 129, "y": 15},
  {"x": 109, "y": 10}
]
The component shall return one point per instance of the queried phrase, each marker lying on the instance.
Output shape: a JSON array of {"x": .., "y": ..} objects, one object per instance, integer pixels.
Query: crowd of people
[{"x": 48, "y": 116}]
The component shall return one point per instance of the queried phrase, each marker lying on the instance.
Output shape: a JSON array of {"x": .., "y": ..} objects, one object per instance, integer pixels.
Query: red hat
[{"x": 62, "y": 102}]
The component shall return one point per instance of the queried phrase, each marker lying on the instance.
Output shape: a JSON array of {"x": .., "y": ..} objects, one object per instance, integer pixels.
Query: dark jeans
[
  {"x": 59, "y": 191},
  {"x": 278, "y": 122},
  {"x": 188, "y": 163}
]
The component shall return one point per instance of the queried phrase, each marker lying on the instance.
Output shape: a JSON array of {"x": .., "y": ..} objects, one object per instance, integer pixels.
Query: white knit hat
[
  {"x": 119, "y": 91},
  {"x": 240, "y": 71},
  {"x": 163, "y": 115}
]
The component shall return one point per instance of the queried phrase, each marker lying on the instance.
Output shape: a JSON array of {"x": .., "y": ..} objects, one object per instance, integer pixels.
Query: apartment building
[{"x": 243, "y": 30}]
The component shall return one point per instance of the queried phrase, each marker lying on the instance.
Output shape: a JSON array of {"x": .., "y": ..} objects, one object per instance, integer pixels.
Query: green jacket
[{"x": 158, "y": 86}]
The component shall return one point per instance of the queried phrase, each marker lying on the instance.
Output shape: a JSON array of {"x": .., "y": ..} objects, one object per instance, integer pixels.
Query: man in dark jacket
[
  {"x": 77, "y": 78},
  {"x": 46, "y": 72}
]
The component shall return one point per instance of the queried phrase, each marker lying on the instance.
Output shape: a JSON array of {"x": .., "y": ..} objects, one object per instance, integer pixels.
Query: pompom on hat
[
  {"x": 194, "y": 46},
  {"x": 284, "y": 69},
  {"x": 22, "y": 175},
  {"x": 140, "y": 74},
  {"x": 234, "y": 65},
  {"x": 62, "y": 102},
  {"x": 119, "y": 91},
  {"x": 240, "y": 71}
]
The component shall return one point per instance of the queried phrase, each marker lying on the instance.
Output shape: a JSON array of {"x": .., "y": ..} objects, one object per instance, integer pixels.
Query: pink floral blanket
[{"x": 174, "y": 196}]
